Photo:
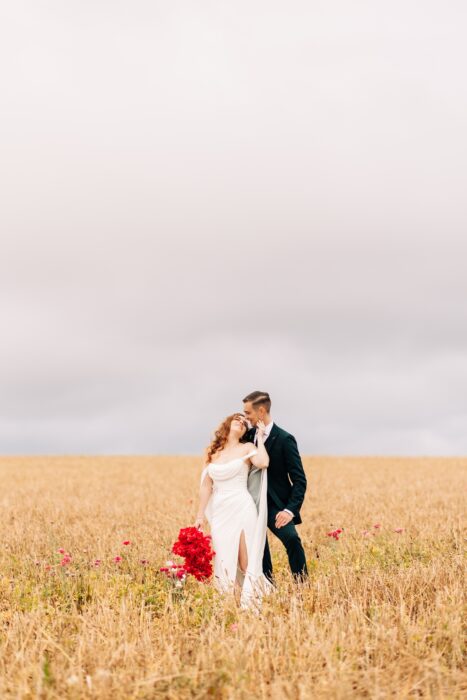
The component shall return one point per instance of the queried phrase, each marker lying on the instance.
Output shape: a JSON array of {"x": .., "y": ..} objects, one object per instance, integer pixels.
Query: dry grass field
[{"x": 381, "y": 616}]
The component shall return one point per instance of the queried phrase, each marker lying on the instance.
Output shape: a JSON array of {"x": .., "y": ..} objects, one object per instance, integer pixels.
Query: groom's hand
[{"x": 283, "y": 518}]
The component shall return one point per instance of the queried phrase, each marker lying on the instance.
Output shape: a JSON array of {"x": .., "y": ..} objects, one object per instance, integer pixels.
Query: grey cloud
[{"x": 198, "y": 203}]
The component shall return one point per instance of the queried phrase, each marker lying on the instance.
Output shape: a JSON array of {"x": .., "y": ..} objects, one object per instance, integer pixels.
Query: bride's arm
[
  {"x": 204, "y": 495},
  {"x": 261, "y": 458}
]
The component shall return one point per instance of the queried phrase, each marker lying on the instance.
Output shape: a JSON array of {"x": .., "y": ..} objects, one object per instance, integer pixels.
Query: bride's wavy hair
[{"x": 221, "y": 435}]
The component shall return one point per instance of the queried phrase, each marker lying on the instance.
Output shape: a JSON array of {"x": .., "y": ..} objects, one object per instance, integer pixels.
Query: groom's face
[{"x": 251, "y": 413}]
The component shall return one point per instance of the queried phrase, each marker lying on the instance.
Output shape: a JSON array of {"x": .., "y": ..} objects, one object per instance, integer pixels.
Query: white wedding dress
[{"x": 231, "y": 508}]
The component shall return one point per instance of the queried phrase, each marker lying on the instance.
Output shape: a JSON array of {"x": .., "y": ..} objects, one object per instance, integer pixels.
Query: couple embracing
[{"x": 253, "y": 480}]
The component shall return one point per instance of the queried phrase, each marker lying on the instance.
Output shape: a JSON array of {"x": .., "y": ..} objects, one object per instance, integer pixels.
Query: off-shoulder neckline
[
  {"x": 221, "y": 464},
  {"x": 235, "y": 459}
]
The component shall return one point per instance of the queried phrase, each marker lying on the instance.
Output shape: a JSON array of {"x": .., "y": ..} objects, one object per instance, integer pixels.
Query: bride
[{"x": 238, "y": 522}]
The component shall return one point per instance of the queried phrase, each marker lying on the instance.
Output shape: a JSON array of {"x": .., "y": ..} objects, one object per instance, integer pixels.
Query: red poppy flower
[{"x": 335, "y": 533}]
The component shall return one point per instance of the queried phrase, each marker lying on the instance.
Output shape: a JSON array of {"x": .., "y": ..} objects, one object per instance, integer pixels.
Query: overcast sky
[{"x": 200, "y": 199}]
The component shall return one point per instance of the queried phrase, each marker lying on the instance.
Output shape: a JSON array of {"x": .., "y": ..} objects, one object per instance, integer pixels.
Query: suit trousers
[{"x": 290, "y": 538}]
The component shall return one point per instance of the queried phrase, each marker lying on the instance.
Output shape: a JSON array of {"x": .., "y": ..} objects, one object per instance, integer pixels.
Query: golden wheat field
[{"x": 381, "y": 615}]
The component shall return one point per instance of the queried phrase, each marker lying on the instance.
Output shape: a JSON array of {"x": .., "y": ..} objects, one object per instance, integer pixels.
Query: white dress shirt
[{"x": 267, "y": 430}]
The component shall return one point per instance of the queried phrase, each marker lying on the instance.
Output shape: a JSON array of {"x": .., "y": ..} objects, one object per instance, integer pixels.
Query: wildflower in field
[
  {"x": 365, "y": 533},
  {"x": 144, "y": 561},
  {"x": 234, "y": 627},
  {"x": 126, "y": 542},
  {"x": 176, "y": 573},
  {"x": 66, "y": 560},
  {"x": 335, "y": 533},
  {"x": 61, "y": 550},
  {"x": 377, "y": 526},
  {"x": 97, "y": 562},
  {"x": 117, "y": 559},
  {"x": 399, "y": 530},
  {"x": 171, "y": 569}
]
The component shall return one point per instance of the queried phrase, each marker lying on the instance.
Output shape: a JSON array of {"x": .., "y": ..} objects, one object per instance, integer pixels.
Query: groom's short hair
[{"x": 259, "y": 398}]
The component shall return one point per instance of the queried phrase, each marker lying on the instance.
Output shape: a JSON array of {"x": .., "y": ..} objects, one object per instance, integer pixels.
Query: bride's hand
[
  {"x": 199, "y": 522},
  {"x": 260, "y": 427}
]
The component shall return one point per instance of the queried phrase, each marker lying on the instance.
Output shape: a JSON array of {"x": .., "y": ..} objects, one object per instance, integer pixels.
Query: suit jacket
[{"x": 285, "y": 466}]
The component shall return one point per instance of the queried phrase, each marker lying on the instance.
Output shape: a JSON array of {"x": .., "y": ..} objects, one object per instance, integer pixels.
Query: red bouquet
[{"x": 197, "y": 550}]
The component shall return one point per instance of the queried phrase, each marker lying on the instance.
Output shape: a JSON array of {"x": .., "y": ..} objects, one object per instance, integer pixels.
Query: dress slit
[{"x": 238, "y": 550}]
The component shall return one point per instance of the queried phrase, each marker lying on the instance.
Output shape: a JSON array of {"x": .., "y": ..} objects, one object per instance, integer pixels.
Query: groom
[{"x": 284, "y": 498}]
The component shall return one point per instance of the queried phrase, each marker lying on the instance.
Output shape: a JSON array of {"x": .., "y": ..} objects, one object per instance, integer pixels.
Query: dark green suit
[{"x": 286, "y": 489}]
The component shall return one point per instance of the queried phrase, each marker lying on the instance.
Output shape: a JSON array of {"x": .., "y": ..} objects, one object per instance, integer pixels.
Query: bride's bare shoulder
[{"x": 248, "y": 447}]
